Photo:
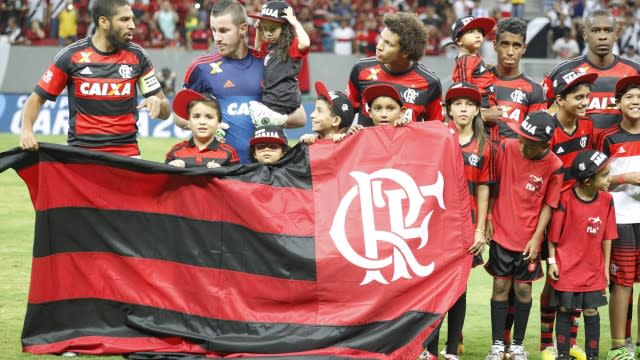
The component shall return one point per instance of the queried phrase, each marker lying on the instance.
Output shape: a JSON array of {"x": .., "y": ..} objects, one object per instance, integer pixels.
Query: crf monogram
[{"x": 403, "y": 227}]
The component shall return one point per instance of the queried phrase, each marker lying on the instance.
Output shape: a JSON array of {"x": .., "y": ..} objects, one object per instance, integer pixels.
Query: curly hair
[
  {"x": 514, "y": 26},
  {"x": 411, "y": 31},
  {"x": 284, "y": 41}
]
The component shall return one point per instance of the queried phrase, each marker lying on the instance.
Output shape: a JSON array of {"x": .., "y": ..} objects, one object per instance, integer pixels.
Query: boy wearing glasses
[{"x": 268, "y": 145}]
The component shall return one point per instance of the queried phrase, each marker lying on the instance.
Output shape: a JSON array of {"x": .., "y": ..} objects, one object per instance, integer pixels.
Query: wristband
[
  {"x": 551, "y": 261},
  {"x": 621, "y": 178},
  {"x": 479, "y": 231}
]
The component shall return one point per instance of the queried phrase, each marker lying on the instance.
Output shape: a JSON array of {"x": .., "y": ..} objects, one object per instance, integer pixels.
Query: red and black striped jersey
[
  {"x": 518, "y": 96},
  {"x": 476, "y": 170},
  {"x": 602, "y": 109},
  {"x": 222, "y": 154},
  {"x": 420, "y": 89},
  {"x": 472, "y": 69},
  {"x": 566, "y": 146},
  {"x": 102, "y": 91}
]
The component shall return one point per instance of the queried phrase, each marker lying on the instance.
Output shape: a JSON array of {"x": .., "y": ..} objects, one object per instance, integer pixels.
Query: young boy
[
  {"x": 529, "y": 177},
  {"x": 203, "y": 149},
  {"x": 468, "y": 34},
  {"x": 580, "y": 235},
  {"x": 385, "y": 107},
  {"x": 331, "y": 117},
  {"x": 573, "y": 133},
  {"x": 622, "y": 144},
  {"x": 268, "y": 145}
]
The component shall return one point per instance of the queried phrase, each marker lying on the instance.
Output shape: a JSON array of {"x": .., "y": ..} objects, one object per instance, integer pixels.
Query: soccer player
[
  {"x": 622, "y": 144},
  {"x": 398, "y": 52},
  {"x": 600, "y": 36},
  {"x": 233, "y": 75},
  {"x": 102, "y": 75},
  {"x": 529, "y": 177},
  {"x": 203, "y": 149}
]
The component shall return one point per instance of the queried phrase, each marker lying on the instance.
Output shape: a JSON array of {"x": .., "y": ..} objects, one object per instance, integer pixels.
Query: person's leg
[
  {"x": 623, "y": 273},
  {"x": 522, "y": 311},
  {"x": 563, "y": 331},
  {"x": 499, "y": 305},
  {"x": 618, "y": 303},
  {"x": 510, "y": 313},
  {"x": 575, "y": 324},
  {"x": 547, "y": 317},
  {"x": 592, "y": 333},
  {"x": 456, "y": 322}
]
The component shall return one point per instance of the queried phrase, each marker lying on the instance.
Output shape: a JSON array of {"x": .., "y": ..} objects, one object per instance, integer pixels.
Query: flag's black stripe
[
  {"x": 292, "y": 171},
  {"x": 194, "y": 242},
  {"x": 51, "y": 322},
  {"x": 177, "y": 356}
]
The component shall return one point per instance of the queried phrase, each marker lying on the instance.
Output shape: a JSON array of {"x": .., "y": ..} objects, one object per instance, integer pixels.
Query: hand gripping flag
[{"x": 340, "y": 251}]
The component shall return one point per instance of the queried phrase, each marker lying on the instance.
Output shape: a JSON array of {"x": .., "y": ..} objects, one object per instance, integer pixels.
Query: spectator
[
  {"x": 34, "y": 34},
  {"x": 430, "y": 17},
  {"x": 142, "y": 30},
  {"x": 55, "y": 8},
  {"x": 565, "y": 47},
  {"x": 631, "y": 54},
  {"x": 190, "y": 24},
  {"x": 9, "y": 9},
  {"x": 199, "y": 39},
  {"x": 343, "y": 38},
  {"x": 68, "y": 22},
  {"x": 139, "y": 7},
  {"x": 167, "y": 79},
  {"x": 156, "y": 37},
  {"x": 167, "y": 20},
  {"x": 12, "y": 33}
]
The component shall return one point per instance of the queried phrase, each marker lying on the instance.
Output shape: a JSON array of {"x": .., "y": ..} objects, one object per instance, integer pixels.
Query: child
[
  {"x": 529, "y": 177},
  {"x": 385, "y": 107},
  {"x": 621, "y": 143},
  {"x": 462, "y": 104},
  {"x": 573, "y": 133},
  {"x": 331, "y": 117},
  {"x": 580, "y": 235},
  {"x": 268, "y": 145},
  {"x": 283, "y": 39},
  {"x": 468, "y": 34},
  {"x": 203, "y": 149}
]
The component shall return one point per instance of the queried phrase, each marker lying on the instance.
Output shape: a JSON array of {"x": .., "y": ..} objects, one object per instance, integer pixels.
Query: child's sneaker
[
  {"x": 496, "y": 353},
  {"x": 628, "y": 343},
  {"x": 563, "y": 357},
  {"x": 451, "y": 357},
  {"x": 621, "y": 353},
  {"x": 517, "y": 352},
  {"x": 426, "y": 355},
  {"x": 576, "y": 353},
  {"x": 261, "y": 115},
  {"x": 549, "y": 353}
]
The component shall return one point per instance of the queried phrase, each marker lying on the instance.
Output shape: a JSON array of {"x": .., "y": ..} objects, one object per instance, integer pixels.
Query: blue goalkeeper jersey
[{"x": 234, "y": 82}]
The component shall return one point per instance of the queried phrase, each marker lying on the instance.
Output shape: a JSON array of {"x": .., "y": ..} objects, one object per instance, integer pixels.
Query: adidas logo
[
  {"x": 229, "y": 84},
  {"x": 86, "y": 71},
  {"x": 621, "y": 150},
  {"x": 560, "y": 150}
]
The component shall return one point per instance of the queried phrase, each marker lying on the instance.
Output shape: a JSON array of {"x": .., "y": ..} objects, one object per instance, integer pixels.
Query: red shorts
[{"x": 625, "y": 255}]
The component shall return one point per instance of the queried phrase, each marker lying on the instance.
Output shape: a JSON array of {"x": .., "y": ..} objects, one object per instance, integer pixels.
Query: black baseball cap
[
  {"x": 374, "y": 91},
  {"x": 463, "y": 89},
  {"x": 569, "y": 79},
  {"x": 537, "y": 126},
  {"x": 184, "y": 97},
  {"x": 469, "y": 22},
  {"x": 340, "y": 103},
  {"x": 273, "y": 10},
  {"x": 588, "y": 163},
  {"x": 269, "y": 134},
  {"x": 623, "y": 84}
]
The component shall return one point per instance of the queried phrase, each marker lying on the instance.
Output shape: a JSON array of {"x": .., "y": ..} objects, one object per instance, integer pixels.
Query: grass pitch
[{"x": 16, "y": 240}]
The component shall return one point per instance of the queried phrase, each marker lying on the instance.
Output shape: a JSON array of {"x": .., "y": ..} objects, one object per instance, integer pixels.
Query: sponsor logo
[
  {"x": 46, "y": 77},
  {"x": 105, "y": 89},
  {"x": 560, "y": 150},
  {"x": 86, "y": 56},
  {"x": 534, "y": 183},
  {"x": 229, "y": 84},
  {"x": 86, "y": 71},
  {"x": 373, "y": 74},
  {"x": 269, "y": 12},
  {"x": 593, "y": 225},
  {"x": 369, "y": 194},
  {"x": 216, "y": 67}
]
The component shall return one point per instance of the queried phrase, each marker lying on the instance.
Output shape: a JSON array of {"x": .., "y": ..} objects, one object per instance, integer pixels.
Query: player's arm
[
  {"x": 303, "y": 38},
  {"x": 552, "y": 268},
  {"x": 157, "y": 104},
  {"x": 30, "y": 113},
  {"x": 606, "y": 253},
  {"x": 533, "y": 246},
  {"x": 479, "y": 233},
  {"x": 632, "y": 178}
]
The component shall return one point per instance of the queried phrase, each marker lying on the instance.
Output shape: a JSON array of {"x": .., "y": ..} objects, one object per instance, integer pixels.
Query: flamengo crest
[{"x": 404, "y": 227}]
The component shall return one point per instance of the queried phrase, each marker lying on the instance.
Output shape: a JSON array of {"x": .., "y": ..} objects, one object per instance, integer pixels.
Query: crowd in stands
[{"x": 340, "y": 26}]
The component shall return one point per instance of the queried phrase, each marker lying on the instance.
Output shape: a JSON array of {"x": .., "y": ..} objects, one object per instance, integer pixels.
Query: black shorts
[
  {"x": 504, "y": 264},
  {"x": 578, "y": 300}
]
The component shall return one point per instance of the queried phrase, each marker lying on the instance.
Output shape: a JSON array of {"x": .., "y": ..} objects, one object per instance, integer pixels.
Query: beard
[{"x": 117, "y": 41}]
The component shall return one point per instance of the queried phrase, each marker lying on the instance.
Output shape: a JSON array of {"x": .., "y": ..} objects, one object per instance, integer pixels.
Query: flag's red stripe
[
  {"x": 285, "y": 210},
  {"x": 216, "y": 293},
  {"x": 103, "y": 345}
]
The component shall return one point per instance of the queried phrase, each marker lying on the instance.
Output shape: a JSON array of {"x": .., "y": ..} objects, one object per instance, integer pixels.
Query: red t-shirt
[
  {"x": 523, "y": 187},
  {"x": 578, "y": 228},
  {"x": 187, "y": 151},
  {"x": 567, "y": 146}
]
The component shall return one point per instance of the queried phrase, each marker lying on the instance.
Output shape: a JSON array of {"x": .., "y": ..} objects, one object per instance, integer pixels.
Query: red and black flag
[{"x": 343, "y": 251}]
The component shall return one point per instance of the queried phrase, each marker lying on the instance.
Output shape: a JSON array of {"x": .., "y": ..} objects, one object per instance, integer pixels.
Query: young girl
[
  {"x": 202, "y": 150},
  {"x": 579, "y": 250},
  {"x": 284, "y": 42},
  {"x": 331, "y": 117},
  {"x": 462, "y": 104}
]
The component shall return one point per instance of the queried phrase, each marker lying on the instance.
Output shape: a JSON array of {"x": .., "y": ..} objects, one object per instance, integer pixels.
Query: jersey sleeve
[
  {"x": 433, "y": 108},
  {"x": 234, "y": 156},
  {"x": 537, "y": 102},
  {"x": 295, "y": 52},
  {"x": 485, "y": 173},
  {"x": 54, "y": 80},
  {"x": 194, "y": 79},
  {"x": 147, "y": 82},
  {"x": 353, "y": 86},
  {"x": 552, "y": 196},
  {"x": 170, "y": 156},
  {"x": 611, "y": 228},
  {"x": 547, "y": 89},
  {"x": 465, "y": 65},
  {"x": 556, "y": 224}
]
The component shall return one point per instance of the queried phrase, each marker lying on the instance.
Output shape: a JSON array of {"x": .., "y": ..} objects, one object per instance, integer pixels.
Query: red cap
[
  {"x": 184, "y": 97},
  {"x": 623, "y": 83},
  {"x": 463, "y": 89},
  {"x": 374, "y": 91}
]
